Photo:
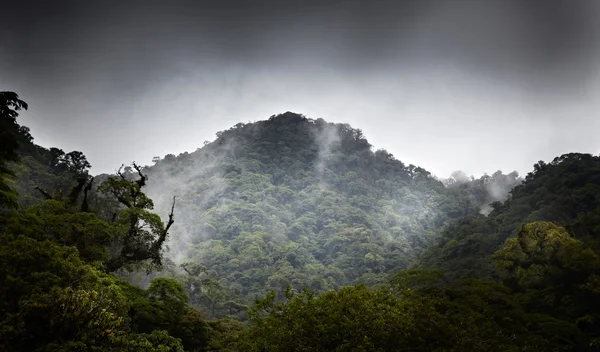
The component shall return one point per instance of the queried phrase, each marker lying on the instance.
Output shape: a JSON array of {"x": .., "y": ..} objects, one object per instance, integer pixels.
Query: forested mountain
[
  {"x": 302, "y": 202},
  {"x": 565, "y": 191},
  {"x": 292, "y": 234}
]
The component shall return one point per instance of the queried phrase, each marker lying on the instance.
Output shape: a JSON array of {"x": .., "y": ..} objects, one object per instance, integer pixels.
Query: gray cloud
[{"x": 446, "y": 85}]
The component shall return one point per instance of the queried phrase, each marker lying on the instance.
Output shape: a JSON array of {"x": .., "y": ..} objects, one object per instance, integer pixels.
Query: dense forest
[{"x": 292, "y": 234}]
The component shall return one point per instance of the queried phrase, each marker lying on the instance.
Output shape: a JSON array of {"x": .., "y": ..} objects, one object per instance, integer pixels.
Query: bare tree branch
[
  {"x": 163, "y": 236},
  {"x": 143, "y": 178},
  {"x": 72, "y": 197},
  {"x": 44, "y": 193},
  {"x": 85, "y": 207}
]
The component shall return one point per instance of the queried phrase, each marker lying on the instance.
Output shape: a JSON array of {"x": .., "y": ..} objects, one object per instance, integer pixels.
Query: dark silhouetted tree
[{"x": 10, "y": 134}]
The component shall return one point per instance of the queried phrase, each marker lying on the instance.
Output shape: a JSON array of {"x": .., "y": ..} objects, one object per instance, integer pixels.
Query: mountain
[
  {"x": 340, "y": 247},
  {"x": 300, "y": 202},
  {"x": 565, "y": 191}
]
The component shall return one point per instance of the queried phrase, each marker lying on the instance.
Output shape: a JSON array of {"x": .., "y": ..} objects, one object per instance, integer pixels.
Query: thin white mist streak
[
  {"x": 326, "y": 140},
  {"x": 497, "y": 187},
  {"x": 498, "y": 190}
]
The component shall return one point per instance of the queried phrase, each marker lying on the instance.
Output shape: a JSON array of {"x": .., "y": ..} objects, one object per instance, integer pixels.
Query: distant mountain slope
[
  {"x": 487, "y": 189},
  {"x": 565, "y": 191},
  {"x": 298, "y": 201}
]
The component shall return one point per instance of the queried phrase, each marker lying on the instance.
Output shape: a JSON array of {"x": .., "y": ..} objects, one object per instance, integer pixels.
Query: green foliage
[
  {"x": 545, "y": 238},
  {"x": 543, "y": 253},
  {"x": 52, "y": 298},
  {"x": 55, "y": 221},
  {"x": 297, "y": 201},
  {"x": 351, "y": 319},
  {"x": 485, "y": 190},
  {"x": 24, "y": 166},
  {"x": 141, "y": 233},
  {"x": 565, "y": 191},
  {"x": 491, "y": 311},
  {"x": 422, "y": 316},
  {"x": 293, "y": 213},
  {"x": 554, "y": 272},
  {"x": 10, "y": 135},
  {"x": 48, "y": 293},
  {"x": 54, "y": 293}
]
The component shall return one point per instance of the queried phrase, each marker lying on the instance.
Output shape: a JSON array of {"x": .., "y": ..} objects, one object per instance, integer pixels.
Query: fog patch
[
  {"x": 485, "y": 190},
  {"x": 200, "y": 171},
  {"x": 326, "y": 138}
]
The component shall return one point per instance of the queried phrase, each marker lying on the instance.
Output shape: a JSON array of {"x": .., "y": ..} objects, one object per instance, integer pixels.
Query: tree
[
  {"x": 353, "y": 319},
  {"x": 55, "y": 157},
  {"x": 488, "y": 315},
  {"x": 423, "y": 315},
  {"x": 142, "y": 233},
  {"x": 77, "y": 162},
  {"x": 50, "y": 300},
  {"x": 544, "y": 254},
  {"x": 555, "y": 273},
  {"x": 10, "y": 133}
]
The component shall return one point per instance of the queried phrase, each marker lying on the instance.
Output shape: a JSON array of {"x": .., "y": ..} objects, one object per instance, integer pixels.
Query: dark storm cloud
[
  {"x": 454, "y": 72},
  {"x": 533, "y": 35}
]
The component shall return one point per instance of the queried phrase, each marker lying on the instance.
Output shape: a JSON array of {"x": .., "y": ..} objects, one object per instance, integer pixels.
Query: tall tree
[
  {"x": 143, "y": 232},
  {"x": 555, "y": 273},
  {"x": 10, "y": 133},
  {"x": 77, "y": 162}
]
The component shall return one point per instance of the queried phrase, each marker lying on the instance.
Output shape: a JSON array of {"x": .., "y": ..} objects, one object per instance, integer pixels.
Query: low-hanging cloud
[{"x": 326, "y": 139}]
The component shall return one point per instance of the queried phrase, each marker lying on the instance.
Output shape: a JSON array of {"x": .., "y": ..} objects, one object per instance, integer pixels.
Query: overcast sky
[{"x": 446, "y": 85}]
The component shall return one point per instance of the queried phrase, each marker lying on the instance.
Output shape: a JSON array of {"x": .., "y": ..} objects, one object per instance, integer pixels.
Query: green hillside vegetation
[
  {"x": 300, "y": 202},
  {"x": 292, "y": 234},
  {"x": 565, "y": 191},
  {"x": 57, "y": 292}
]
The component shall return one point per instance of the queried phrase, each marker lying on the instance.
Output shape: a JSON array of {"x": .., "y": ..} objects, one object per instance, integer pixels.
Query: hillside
[
  {"x": 302, "y": 202},
  {"x": 292, "y": 234},
  {"x": 565, "y": 191}
]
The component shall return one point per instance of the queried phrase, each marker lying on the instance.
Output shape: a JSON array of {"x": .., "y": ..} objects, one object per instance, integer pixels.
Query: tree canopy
[{"x": 292, "y": 234}]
